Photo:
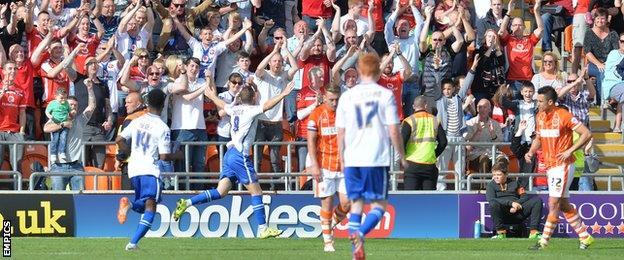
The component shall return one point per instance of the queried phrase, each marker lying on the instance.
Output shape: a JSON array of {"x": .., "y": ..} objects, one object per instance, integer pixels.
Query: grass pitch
[{"x": 394, "y": 249}]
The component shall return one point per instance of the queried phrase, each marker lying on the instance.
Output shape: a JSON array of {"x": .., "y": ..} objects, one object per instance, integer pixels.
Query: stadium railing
[
  {"x": 289, "y": 176},
  {"x": 16, "y": 180}
]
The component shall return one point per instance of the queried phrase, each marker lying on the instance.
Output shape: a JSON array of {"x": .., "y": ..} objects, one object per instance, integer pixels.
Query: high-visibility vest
[{"x": 422, "y": 144}]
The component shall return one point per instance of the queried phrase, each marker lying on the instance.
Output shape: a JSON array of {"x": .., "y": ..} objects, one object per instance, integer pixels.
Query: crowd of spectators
[{"x": 473, "y": 61}]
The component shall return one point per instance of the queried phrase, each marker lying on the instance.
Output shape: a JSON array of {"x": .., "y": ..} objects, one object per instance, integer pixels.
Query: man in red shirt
[
  {"x": 307, "y": 100},
  {"x": 12, "y": 112},
  {"x": 315, "y": 9},
  {"x": 394, "y": 81},
  {"x": 54, "y": 71},
  {"x": 25, "y": 71},
  {"x": 379, "y": 42},
  {"x": 313, "y": 55},
  {"x": 519, "y": 47}
]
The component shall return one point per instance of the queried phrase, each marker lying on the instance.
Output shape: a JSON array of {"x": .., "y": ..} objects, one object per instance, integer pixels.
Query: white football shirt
[
  {"x": 149, "y": 137},
  {"x": 244, "y": 122},
  {"x": 364, "y": 112}
]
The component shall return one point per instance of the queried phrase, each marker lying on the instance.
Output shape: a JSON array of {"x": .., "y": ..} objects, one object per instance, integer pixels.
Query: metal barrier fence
[
  {"x": 17, "y": 179},
  {"x": 289, "y": 176}
]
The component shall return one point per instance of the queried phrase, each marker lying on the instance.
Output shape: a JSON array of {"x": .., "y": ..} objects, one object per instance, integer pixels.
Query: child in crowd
[{"x": 58, "y": 112}]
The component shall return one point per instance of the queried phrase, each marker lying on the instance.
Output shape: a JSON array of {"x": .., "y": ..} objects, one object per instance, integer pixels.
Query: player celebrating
[
  {"x": 366, "y": 118},
  {"x": 554, "y": 126},
  {"x": 324, "y": 164},
  {"x": 150, "y": 138},
  {"x": 237, "y": 166}
]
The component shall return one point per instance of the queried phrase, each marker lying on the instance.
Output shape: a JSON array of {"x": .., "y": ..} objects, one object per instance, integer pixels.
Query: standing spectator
[
  {"x": 279, "y": 36},
  {"x": 242, "y": 67},
  {"x": 101, "y": 120},
  {"x": 313, "y": 10},
  {"x": 353, "y": 20},
  {"x": 108, "y": 71},
  {"x": 208, "y": 50},
  {"x": 91, "y": 41},
  {"x": 577, "y": 97},
  {"x": 424, "y": 140},
  {"x": 519, "y": 47},
  {"x": 556, "y": 19},
  {"x": 270, "y": 83},
  {"x": 12, "y": 113},
  {"x": 438, "y": 59},
  {"x": 171, "y": 40},
  {"x": 490, "y": 72},
  {"x": 448, "y": 12},
  {"x": 408, "y": 49},
  {"x": 394, "y": 80},
  {"x": 482, "y": 129},
  {"x": 187, "y": 120},
  {"x": 451, "y": 115},
  {"x": 350, "y": 77},
  {"x": 313, "y": 54},
  {"x": 59, "y": 15},
  {"x": 235, "y": 83},
  {"x": 308, "y": 99},
  {"x": 135, "y": 108},
  {"x": 57, "y": 71},
  {"x": 599, "y": 41},
  {"x": 15, "y": 28},
  {"x": 509, "y": 203},
  {"x": 104, "y": 11},
  {"x": 130, "y": 35},
  {"x": 549, "y": 74},
  {"x": 519, "y": 148},
  {"x": 274, "y": 10},
  {"x": 492, "y": 20},
  {"x": 579, "y": 27},
  {"x": 524, "y": 123},
  {"x": 613, "y": 86},
  {"x": 378, "y": 41},
  {"x": 295, "y": 44},
  {"x": 501, "y": 114},
  {"x": 25, "y": 72},
  {"x": 227, "y": 61},
  {"x": 72, "y": 163}
]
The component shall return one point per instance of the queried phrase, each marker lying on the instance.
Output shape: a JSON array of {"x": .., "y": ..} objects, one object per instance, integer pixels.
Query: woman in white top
[{"x": 549, "y": 74}]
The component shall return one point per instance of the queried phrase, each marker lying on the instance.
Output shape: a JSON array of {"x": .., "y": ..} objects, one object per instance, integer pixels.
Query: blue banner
[{"x": 407, "y": 216}]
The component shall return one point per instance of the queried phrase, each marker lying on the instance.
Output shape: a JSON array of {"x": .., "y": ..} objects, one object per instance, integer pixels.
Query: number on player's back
[
  {"x": 235, "y": 123},
  {"x": 364, "y": 113},
  {"x": 142, "y": 140}
]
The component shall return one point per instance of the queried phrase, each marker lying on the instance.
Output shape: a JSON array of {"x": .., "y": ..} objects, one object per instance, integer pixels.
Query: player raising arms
[
  {"x": 237, "y": 166},
  {"x": 324, "y": 164},
  {"x": 150, "y": 138},
  {"x": 554, "y": 126},
  {"x": 367, "y": 120}
]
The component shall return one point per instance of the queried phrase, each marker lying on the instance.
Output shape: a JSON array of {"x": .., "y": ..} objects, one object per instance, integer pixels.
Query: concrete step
[
  {"x": 594, "y": 111},
  {"x": 609, "y": 150},
  {"x": 600, "y": 125},
  {"x": 602, "y": 181},
  {"x": 616, "y": 160},
  {"x": 612, "y": 138}
]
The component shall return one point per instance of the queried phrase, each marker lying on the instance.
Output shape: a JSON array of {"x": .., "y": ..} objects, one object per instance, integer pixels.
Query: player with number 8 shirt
[{"x": 237, "y": 166}]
